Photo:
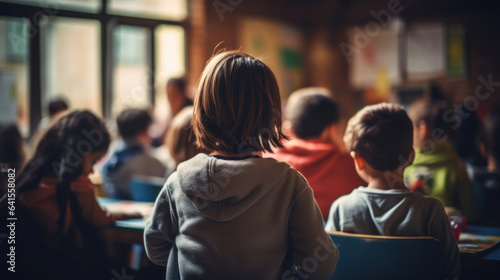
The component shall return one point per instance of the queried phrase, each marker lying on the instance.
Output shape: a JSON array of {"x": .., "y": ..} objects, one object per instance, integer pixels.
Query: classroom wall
[{"x": 323, "y": 26}]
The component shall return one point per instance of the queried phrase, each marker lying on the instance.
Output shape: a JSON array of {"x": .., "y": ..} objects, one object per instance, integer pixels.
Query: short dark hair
[
  {"x": 57, "y": 105},
  {"x": 311, "y": 113},
  {"x": 131, "y": 122},
  {"x": 430, "y": 112},
  {"x": 490, "y": 133},
  {"x": 237, "y": 107},
  {"x": 382, "y": 135},
  {"x": 178, "y": 82}
]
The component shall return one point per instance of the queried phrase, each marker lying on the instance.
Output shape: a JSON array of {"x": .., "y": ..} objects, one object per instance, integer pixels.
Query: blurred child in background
[
  {"x": 130, "y": 154},
  {"x": 57, "y": 203},
  {"x": 316, "y": 150},
  {"x": 487, "y": 181},
  {"x": 180, "y": 140},
  {"x": 437, "y": 169}
]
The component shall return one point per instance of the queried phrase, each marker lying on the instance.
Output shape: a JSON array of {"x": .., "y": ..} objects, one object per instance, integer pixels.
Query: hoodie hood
[
  {"x": 304, "y": 155},
  {"x": 223, "y": 189}
]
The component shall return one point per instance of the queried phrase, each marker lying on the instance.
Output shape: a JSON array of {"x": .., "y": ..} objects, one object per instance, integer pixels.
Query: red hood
[{"x": 329, "y": 171}]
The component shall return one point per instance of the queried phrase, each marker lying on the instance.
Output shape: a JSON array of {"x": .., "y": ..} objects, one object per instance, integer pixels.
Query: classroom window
[
  {"x": 14, "y": 66},
  {"x": 170, "y": 62},
  {"x": 101, "y": 57},
  {"x": 160, "y": 9},
  {"x": 52, "y": 7},
  {"x": 131, "y": 69},
  {"x": 71, "y": 60}
]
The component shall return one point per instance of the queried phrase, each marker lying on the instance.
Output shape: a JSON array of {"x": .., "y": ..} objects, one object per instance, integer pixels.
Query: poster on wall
[
  {"x": 455, "y": 45},
  {"x": 375, "y": 61},
  {"x": 278, "y": 45},
  {"x": 425, "y": 51}
]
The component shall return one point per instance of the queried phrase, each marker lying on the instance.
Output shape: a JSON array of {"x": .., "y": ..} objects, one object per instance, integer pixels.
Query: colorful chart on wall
[
  {"x": 455, "y": 63},
  {"x": 375, "y": 60}
]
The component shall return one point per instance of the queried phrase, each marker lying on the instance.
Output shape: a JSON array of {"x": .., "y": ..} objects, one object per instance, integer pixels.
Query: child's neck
[
  {"x": 228, "y": 154},
  {"x": 388, "y": 180}
]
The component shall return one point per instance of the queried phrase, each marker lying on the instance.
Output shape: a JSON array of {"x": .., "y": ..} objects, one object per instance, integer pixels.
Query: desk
[
  {"x": 484, "y": 265},
  {"x": 126, "y": 232}
]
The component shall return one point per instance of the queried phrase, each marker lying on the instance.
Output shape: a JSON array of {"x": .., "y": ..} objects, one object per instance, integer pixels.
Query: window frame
[{"x": 35, "y": 16}]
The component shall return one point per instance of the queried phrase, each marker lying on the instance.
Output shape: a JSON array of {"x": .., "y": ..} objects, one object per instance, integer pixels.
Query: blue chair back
[
  {"x": 387, "y": 257},
  {"x": 145, "y": 189}
]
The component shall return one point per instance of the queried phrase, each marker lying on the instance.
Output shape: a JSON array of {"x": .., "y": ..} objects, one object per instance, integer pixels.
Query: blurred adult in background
[
  {"x": 180, "y": 141},
  {"x": 178, "y": 98},
  {"x": 316, "y": 150},
  {"x": 437, "y": 169},
  {"x": 487, "y": 180},
  {"x": 130, "y": 154}
]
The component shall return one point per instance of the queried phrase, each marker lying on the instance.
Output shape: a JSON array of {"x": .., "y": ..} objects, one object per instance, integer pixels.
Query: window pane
[
  {"x": 131, "y": 70},
  {"x": 170, "y": 62},
  {"x": 161, "y": 9},
  {"x": 14, "y": 101},
  {"x": 72, "y": 63},
  {"x": 51, "y": 7}
]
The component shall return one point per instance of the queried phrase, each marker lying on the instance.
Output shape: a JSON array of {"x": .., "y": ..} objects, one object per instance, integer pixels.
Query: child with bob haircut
[
  {"x": 380, "y": 138},
  {"x": 233, "y": 214}
]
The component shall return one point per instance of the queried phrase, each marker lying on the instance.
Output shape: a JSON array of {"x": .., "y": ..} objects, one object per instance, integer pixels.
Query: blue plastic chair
[
  {"x": 145, "y": 189},
  {"x": 387, "y": 257}
]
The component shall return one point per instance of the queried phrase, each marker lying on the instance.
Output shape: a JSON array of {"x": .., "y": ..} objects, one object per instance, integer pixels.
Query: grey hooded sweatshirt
[{"x": 253, "y": 218}]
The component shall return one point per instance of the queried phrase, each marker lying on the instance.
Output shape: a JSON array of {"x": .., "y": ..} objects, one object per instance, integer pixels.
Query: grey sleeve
[
  {"x": 314, "y": 255},
  {"x": 161, "y": 228},
  {"x": 332, "y": 223}
]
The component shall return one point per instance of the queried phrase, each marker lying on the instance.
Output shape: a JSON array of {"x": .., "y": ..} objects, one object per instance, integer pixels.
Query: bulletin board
[{"x": 279, "y": 45}]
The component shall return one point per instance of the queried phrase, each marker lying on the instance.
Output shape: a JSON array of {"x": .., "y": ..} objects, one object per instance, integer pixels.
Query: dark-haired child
[
  {"x": 487, "y": 181},
  {"x": 315, "y": 150},
  {"x": 233, "y": 214},
  {"x": 437, "y": 169},
  {"x": 130, "y": 154},
  {"x": 57, "y": 200},
  {"x": 380, "y": 138}
]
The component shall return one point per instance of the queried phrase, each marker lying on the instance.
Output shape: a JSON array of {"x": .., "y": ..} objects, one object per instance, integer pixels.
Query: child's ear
[
  {"x": 411, "y": 158},
  {"x": 358, "y": 160},
  {"x": 422, "y": 130}
]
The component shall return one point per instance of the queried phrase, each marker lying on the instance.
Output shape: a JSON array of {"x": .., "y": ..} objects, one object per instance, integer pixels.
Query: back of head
[
  {"x": 310, "y": 111},
  {"x": 132, "y": 122},
  {"x": 179, "y": 83},
  {"x": 237, "y": 107},
  {"x": 56, "y": 106},
  {"x": 382, "y": 134},
  {"x": 432, "y": 113},
  {"x": 180, "y": 139},
  {"x": 61, "y": 148},
  {"x": 490, "y": 134}
]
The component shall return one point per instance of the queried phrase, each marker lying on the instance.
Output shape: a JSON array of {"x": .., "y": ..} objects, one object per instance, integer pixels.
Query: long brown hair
[{"x": 59, "y": 154}]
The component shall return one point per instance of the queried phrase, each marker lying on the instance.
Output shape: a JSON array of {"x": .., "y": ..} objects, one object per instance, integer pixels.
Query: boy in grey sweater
[{"x": 380, "y": 138}]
